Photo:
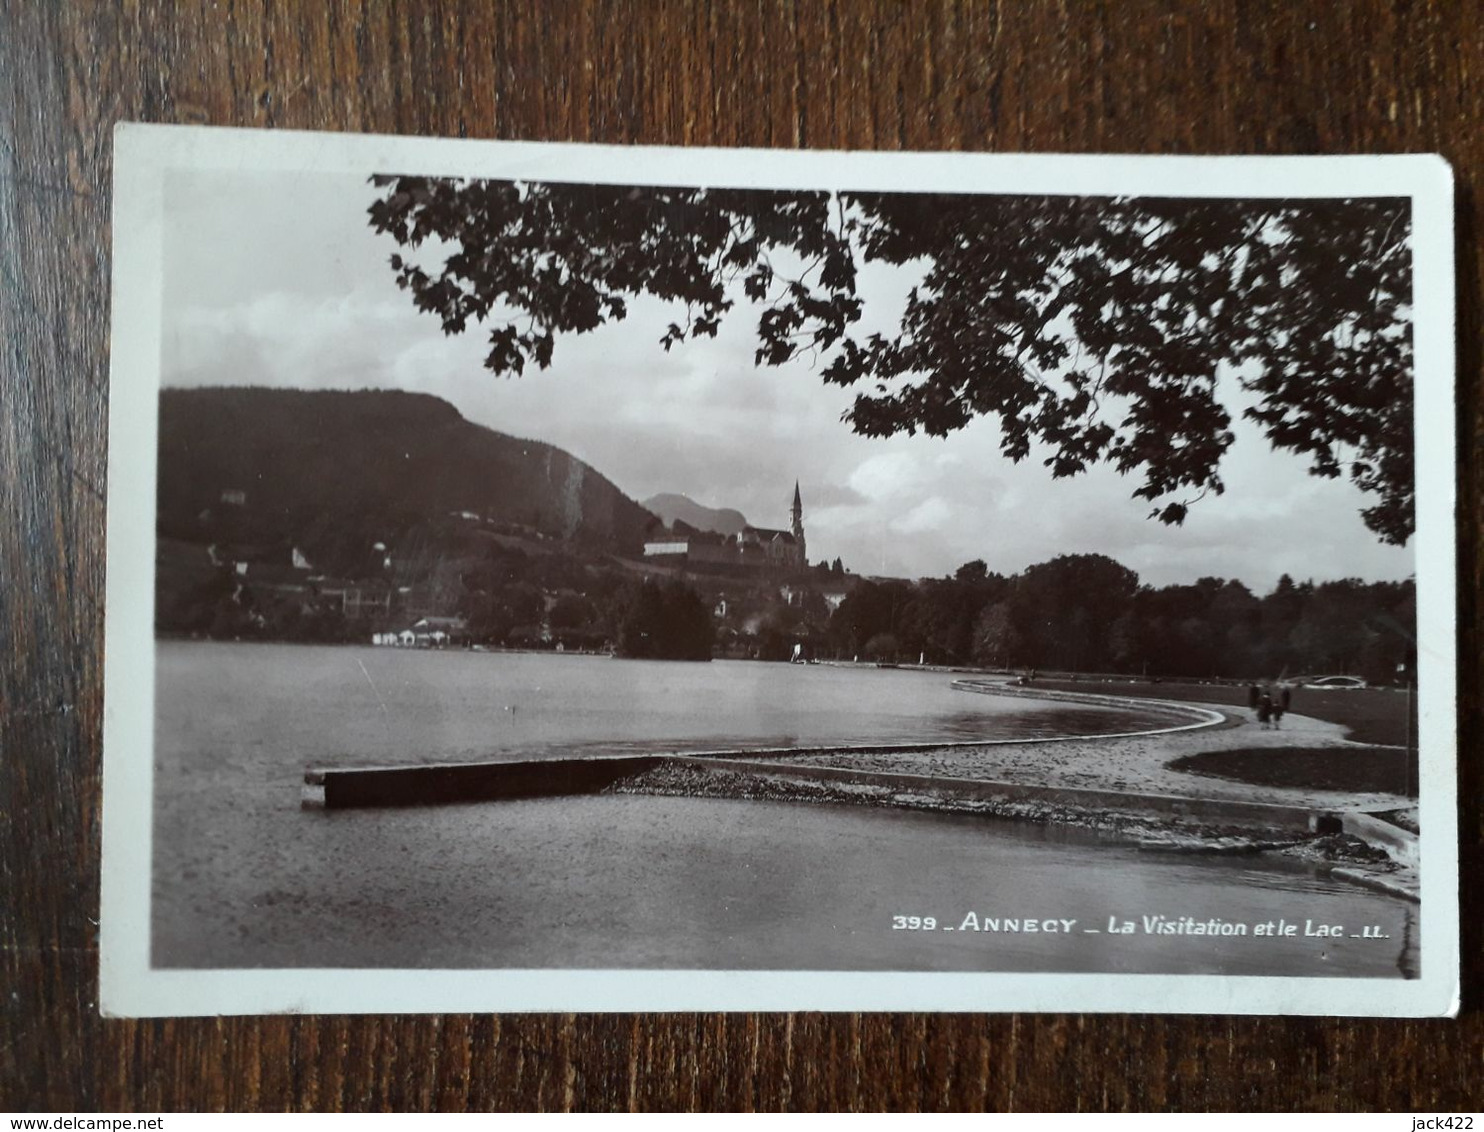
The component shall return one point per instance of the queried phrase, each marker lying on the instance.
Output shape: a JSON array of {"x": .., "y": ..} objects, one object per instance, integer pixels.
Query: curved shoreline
[{"x": 1198, "y": 717}]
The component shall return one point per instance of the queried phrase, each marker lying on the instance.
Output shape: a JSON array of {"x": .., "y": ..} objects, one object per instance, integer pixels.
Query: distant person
[
  {"x": 1265, "y": 711},
  {"x": 1254, "y": 693},
  {"x": 1285, "y": 696},
  {"x": 1276, "y": 696}
]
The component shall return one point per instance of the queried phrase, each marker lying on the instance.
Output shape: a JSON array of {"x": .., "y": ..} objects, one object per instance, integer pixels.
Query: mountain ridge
[
  {"x": 670, "y": 506},
  {"x": 323, "y": 466}
]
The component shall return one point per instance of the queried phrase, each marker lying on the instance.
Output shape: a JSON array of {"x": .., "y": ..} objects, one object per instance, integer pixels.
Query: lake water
[
  {"x": 350, "y": 705},
  {"x": 244, "y": 878}
]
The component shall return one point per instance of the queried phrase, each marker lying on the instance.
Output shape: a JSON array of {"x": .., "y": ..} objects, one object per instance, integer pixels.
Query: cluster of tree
[
  {"x": 1088, "y": 613},
  {"x": 519, "y": 599},
  {"x": 663, "y": 621},
  {"x": 506, "y": 596},
  {"x": 587, "y": 602},
  {"x": 763, "y": 625},
  {"x": 527, "y": 601},
  {"x": 220, "y": 606}
]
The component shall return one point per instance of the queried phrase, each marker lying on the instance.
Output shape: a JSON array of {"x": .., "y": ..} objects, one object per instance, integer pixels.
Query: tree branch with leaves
[{"x": 1106, "y": 330}]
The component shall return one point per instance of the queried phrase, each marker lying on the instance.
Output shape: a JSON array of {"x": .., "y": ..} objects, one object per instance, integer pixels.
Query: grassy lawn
[
  {"x": 1370, "y": 715},
  {"x": 1336, "y": 768}
]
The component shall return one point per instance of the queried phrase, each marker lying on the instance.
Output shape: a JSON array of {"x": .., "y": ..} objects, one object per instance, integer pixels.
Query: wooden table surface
[{"x": 1220, "y": 77}]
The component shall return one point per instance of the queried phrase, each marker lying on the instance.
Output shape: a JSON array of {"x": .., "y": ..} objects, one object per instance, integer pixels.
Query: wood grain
[{"x": 1221, "y": 77}]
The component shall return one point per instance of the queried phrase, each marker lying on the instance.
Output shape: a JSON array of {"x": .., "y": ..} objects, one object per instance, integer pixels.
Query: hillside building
[{"x": 757, "y": 548}]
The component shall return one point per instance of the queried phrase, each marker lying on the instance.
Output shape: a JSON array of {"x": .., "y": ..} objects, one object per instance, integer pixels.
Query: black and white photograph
[{"x": 555, "y": 577}]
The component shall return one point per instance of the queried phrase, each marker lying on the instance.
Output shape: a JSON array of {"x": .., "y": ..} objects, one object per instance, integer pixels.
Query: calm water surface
[
  {"x": 339, "y": 705},
  {"x": 243, "y": 877}
]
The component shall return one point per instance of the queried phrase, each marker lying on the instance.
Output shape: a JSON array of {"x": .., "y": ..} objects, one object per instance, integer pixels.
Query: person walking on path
[
  {"x": 1254, "y": 694},
  {"x": 1265, "y": 710}
]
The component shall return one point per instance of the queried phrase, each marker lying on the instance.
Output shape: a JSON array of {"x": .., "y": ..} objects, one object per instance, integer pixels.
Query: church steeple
[{"x": 798, "y": 525}]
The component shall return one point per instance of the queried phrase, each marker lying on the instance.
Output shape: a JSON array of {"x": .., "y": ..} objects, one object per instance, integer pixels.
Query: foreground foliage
[{"x": 1117, "y": 330}]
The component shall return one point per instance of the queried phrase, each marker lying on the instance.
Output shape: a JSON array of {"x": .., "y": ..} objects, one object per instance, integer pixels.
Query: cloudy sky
[{"x": 276, "y": 279}]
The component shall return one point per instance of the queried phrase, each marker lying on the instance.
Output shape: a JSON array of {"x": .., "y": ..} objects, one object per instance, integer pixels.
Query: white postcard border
[{"x": 130, "y": 987}]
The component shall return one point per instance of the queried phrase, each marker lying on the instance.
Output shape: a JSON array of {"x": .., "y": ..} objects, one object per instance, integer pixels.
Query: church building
[
  {"x": 782, "y": 550},
  {"x": 759, "y": 548}
]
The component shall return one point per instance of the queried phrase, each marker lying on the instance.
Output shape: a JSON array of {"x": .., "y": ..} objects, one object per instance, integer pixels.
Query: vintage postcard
[{"x": 557, "y": 577}]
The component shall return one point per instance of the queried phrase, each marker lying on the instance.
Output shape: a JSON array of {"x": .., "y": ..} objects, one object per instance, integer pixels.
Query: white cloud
[{"x": 928, "y": 516}]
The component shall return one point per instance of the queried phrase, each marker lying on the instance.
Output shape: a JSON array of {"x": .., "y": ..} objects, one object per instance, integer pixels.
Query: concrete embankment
[{"x": 445, "y": 783}]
